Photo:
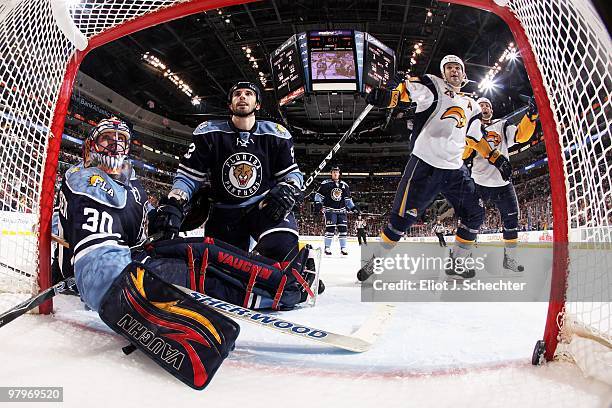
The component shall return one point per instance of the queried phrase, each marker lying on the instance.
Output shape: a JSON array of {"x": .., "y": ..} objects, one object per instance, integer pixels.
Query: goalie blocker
[{"x": 184, "y": 337}]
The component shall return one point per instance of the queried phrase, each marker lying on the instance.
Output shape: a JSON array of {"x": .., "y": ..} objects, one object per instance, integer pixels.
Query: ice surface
[{"x": 431, "y": 355}]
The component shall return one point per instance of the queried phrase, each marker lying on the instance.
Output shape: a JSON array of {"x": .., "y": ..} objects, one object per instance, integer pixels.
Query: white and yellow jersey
[
  {"x": 500, "y": 135},
  {"x": 443, "y": 120}
]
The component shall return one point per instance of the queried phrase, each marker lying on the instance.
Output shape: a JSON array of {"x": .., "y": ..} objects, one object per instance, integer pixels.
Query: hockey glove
[
  {"x": 280, "y": 201},
  {"x": 532, "y": 109},
  {"x": 356, "y": 211},
  {"x": 167, "y": 218},
  {"x": 502, "y": 163}
]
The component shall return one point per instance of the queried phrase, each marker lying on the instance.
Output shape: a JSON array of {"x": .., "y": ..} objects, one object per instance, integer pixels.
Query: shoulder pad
[
  {"x": 213, "y": 126},
  {"x": 265, "y": 127},
  {"x": 344, "y": 183},
  {"x": 95, "y": 184},
  {"x": 326, "y": 181}
]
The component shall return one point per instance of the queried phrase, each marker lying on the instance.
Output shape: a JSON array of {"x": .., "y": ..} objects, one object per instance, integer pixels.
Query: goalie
[{"x": 102, "y": 213}]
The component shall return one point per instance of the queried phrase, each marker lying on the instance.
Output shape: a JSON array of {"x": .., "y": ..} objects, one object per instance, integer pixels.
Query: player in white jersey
[
  {"x": 445, "y": 119},
  {"x": 490, "y": 186}
]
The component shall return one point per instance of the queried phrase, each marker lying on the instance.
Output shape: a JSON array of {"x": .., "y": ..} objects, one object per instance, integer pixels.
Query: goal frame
[{"x": 551, "y": 136}]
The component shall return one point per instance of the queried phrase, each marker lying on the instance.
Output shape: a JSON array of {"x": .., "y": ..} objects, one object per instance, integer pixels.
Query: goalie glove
[
  {"x": 532, "y": 109},
  {"x": 280, "y": 200},
  {"x": 502, "y": 163},
  {"x": 167, "y": 218}
]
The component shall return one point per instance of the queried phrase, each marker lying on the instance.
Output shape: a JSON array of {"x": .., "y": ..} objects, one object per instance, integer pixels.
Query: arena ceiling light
[
  {"x": 510, "y": 54},
  {"x": 157, "y": 64}
]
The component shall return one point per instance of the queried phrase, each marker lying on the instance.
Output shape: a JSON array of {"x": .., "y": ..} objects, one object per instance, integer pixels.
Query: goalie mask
[
  {"x": 107, "y": 146},
  {"x": 453, "y": 58}
]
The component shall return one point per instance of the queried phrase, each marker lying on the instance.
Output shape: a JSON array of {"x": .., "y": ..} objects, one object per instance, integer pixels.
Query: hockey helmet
[
  {"x": 244, "y": 85},
  {"x": 484, "y": 100},
  {"x": 453, "y": 58},
  {"x": 107, "y": 145}
]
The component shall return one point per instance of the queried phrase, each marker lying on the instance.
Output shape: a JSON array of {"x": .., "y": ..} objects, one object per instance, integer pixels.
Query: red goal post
[{"x": 38, "y": 41}]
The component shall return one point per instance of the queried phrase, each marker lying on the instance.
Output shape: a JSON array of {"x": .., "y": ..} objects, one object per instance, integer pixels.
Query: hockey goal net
[{"x": 563, "y": 43}]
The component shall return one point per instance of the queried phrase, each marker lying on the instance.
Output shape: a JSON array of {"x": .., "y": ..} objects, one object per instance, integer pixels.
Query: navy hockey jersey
[
  {"x": 335, "y": 196},
  {"x": 242, "y": 166},
  {"x": 100, "y": 219}
]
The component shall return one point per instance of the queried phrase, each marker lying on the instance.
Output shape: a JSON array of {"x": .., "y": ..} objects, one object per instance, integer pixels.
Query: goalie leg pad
[
  {"x": 184, "y": 337},
  {"x": 237, "y": 276}
]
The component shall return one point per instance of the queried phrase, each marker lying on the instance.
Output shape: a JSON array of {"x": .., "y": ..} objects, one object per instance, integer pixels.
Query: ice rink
[{"x": 430, "y": 355}]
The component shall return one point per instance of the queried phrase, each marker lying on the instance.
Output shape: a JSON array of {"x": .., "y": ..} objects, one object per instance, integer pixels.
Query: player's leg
[
  {"x": 330, "y": 230},
  {"x": 342, "y": 227},
  {"x": 460, "y": 191},
  {"x": 228, "y": 273},
  {"x": 419, "y": 185},
  {"x": 156, "y": 318},
  {"x": 507, "y": 204}
]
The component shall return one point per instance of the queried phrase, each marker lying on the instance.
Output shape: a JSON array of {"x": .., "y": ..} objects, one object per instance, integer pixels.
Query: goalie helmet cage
[{"x": 564, "y": 46}]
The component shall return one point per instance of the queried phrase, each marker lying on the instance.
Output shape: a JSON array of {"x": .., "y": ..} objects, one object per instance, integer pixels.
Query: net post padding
[
  {"x": 159, "y": 16},
  {"x": 555, "y": 165}
]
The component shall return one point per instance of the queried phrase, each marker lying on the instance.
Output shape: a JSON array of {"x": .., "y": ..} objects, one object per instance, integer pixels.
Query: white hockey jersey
[
  {"x": 443, "y": 120},
  {"x": 501, "y": 136}
]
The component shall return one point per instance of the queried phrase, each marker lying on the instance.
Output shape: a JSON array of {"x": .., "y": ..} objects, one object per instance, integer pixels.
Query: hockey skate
[
  {"x": 511, "y": 267},
  {"x": 328, "y": 251},
  {"x": 366, "y": 270},
  {"x": 343, "y": 251},
  {"x": 456, "y": 271}
]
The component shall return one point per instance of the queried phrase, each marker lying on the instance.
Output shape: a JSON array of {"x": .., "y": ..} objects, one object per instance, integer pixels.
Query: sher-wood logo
[{"x": 242, "y": 174}]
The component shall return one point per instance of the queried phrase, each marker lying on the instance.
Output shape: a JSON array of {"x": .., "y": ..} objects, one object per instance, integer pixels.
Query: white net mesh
[
  {"x": 34, "y": 55},
  {"x": 573, "y": 50}
]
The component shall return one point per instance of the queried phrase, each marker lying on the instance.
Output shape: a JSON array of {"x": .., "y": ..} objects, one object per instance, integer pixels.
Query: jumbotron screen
[
  {"x": 287, "y": 72},
  {"x": 332, "y": 60},
  {"x": 379, "y": 64}
]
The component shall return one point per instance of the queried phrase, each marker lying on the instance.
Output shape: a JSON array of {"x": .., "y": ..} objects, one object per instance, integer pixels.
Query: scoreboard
[
  {"x": 328, "y": 61},
  {"x": 332, "y": 60},
  {"x": 379, "y": 64},
  {"x": 288, "y": 72}
]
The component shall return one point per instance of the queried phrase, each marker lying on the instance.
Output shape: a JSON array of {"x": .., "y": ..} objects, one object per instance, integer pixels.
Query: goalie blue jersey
[{"x": 100, "y": 219}]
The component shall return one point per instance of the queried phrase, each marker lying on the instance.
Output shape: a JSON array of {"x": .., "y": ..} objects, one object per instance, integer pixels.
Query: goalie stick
[
  {"x": 68, "y": 284},
  {"x": 358, "y": 342}
]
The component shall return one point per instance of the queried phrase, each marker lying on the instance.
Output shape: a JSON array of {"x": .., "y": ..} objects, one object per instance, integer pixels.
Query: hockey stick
[
  {"x": 337, "y": 146},
  {"x": 359, "y": 342},
  {"x": 66, "y": 285}
]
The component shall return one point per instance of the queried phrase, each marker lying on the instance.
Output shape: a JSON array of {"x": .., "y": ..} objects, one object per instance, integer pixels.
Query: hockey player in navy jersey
[
  {"x": 490, "y": 186},
  {"x": 334, "y": 198},
  {"x": 445, "y": 119},
  {"x": 255, "y": 181}
]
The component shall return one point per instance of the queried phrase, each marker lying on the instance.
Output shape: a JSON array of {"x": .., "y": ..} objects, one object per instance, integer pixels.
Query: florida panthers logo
[
  {"x": 457, "y": 113},
  {"x": 493, "y": 138},
  {"x": 336, "y": 194},
  {"x": 242, "y": 174}
]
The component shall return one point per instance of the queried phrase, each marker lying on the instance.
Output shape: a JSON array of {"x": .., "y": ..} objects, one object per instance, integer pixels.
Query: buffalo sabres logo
[
  {"x": 493, "y": 138},
  {"x": 242, "y": 174},
  {"x": 336, "y": 194},
  {"x": 457, "y": 113}
]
